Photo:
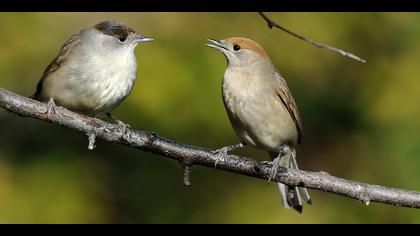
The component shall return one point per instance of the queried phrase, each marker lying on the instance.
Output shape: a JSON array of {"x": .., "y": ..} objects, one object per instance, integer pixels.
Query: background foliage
[{"x": 360, "y": 120}]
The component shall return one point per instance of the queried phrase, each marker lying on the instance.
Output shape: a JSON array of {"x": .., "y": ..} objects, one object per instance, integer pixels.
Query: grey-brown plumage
[
  {"x": 71, "y": 43},
  {"x": 94, "y": 71},
  {"x": 261, "y": 108},
  {"x": 287, "y": 99}
]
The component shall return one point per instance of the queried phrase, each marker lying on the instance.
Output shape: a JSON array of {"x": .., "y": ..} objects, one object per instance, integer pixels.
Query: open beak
[
  {"x": 217, "y": 44},
  {"x": 143, "y": 39}
]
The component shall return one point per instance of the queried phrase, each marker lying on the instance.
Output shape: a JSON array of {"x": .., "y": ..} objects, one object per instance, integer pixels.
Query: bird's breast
[
  {"x": 256, "y": 112},
  {"x": 111, "y": 80},
  {"x": 95, "y": 83}
]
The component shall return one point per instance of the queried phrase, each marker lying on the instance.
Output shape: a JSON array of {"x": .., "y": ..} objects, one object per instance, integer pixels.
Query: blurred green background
[{"x": 361, "y": 121}]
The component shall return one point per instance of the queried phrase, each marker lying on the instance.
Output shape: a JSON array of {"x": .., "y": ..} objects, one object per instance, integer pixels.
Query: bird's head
[
  {"x": 240, "y": 51},
  {"x": 116, "y": 35}
]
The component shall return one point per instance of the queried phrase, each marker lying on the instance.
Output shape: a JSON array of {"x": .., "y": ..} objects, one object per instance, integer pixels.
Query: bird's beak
[
  {"x": 217, "y": 44},
  {"x": 143, "y": 39}
]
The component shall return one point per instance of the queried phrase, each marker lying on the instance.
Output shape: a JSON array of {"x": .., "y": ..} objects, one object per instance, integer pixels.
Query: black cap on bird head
[{"x": 115, "y": 29}]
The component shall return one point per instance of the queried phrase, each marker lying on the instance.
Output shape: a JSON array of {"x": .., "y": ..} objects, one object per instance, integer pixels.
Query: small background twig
[{"x": 272, "y": 24}]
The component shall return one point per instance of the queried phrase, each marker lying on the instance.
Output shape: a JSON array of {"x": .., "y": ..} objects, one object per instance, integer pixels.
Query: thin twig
[
  {"x": 150, "y": 142},
  {"x": 186, "y": 176},
  {"x": 92, "y": 140},
  {"x": 272, "y": 24}
]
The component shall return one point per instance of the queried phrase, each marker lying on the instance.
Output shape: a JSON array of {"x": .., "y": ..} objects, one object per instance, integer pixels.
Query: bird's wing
[
  {"x": 286, "y": 97},
  {"x": 62, "y": 56}
]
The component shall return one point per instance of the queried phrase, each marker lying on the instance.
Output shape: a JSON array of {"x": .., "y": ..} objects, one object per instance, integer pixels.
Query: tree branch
[
  {"x": 272, "y": 24},
  {"x": 188, "y": 155}
]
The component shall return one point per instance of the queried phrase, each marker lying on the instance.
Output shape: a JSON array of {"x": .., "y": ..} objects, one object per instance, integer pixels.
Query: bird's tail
[{"x": 293, "y": 197}]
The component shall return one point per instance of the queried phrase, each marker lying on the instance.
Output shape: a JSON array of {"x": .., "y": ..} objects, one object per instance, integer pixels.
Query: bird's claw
[
  {"x": 274, "y": 168},
  {"x": 122, "y": 124},
  {"x": 266, "y": 163},
  {"x": 50, "y": 108},
  {"x": 118, "y": 122},
  {"x": 273, "y": 172},
  {"x": 123, "y": 127},
  {"x": 220, "y": 154}
]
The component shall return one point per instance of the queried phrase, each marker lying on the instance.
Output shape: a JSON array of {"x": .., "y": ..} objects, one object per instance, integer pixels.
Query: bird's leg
[
  {"x": 50, "y": 108},
  {"x": 222, "y": 153},
  {"x": 281, "y": 160},
  {"x": 118, "y": 122},
  {"x": 123, "y": 127}
]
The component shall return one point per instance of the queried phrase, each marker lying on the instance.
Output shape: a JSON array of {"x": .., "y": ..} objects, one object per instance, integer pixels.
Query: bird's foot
[
  {"x": 220, "y": 154},
  {"x": 275, "y": 163},
  {"x": 123, "y": 127},
  {"x": 266, "y": 163},
  {"x": 50, "y": 108},
  {"x": 120, "y": 124},
  {"x": 281, "y": 160}
]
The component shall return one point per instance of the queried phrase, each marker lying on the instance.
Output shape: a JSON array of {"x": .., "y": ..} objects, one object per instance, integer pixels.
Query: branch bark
[
  {"x": 272, "y": 24},
  {"x": 188, "y": 155}
]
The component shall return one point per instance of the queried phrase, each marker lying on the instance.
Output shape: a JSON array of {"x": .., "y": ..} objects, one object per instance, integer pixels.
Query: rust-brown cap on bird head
[{"x": 239, "y": 50}]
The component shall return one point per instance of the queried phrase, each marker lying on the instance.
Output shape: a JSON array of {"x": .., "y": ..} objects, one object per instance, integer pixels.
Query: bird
[
  {"x": 94, "y": 71},
  {"x": 261, "y": 110}
]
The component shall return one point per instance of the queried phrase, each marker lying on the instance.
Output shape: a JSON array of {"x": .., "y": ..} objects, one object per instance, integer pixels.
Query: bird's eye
[
  {"x": 236, "y": 47},
  {"x": 122, "y": 39}
]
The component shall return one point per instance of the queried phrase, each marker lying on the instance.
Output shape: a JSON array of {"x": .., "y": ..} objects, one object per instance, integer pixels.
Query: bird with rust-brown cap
[{"x": 261, "y": 109}]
